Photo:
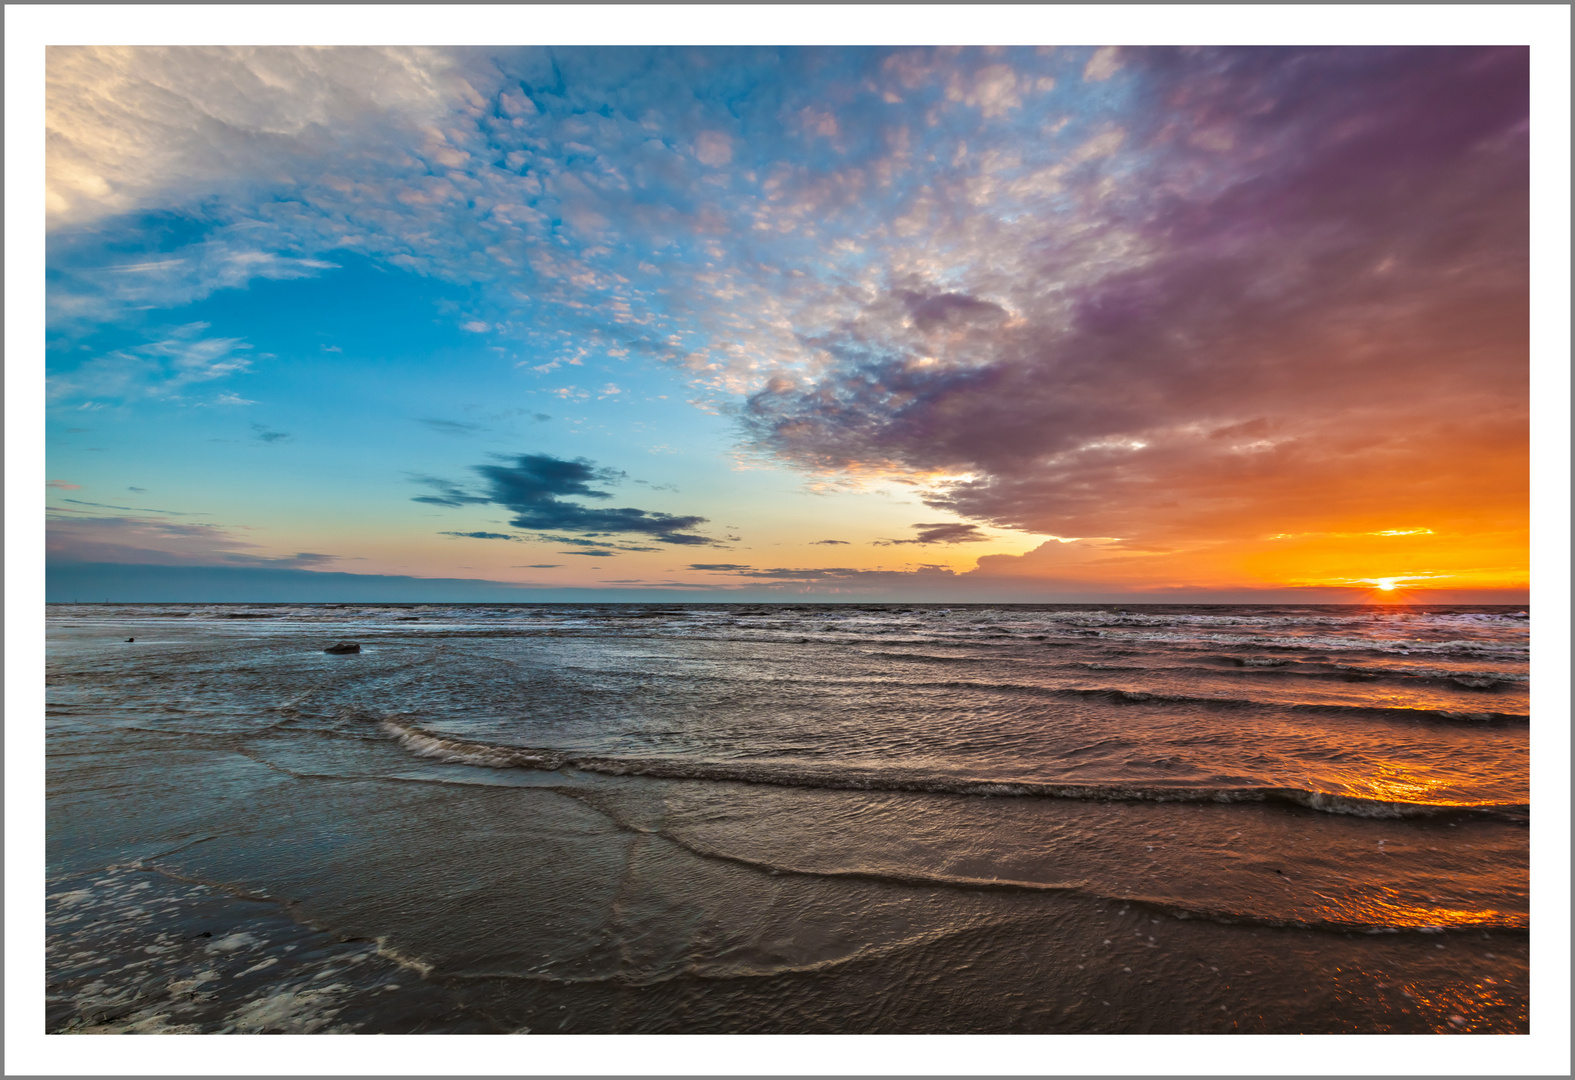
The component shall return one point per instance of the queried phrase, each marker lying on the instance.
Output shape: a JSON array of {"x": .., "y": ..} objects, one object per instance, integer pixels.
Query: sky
[{"x": 1034, "y": 324}]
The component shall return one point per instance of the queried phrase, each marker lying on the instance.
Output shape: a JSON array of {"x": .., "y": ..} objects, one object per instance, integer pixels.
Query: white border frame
[{"x": 1544, "y": 27}]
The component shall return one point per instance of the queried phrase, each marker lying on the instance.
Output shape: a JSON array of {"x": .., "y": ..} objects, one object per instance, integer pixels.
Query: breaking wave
[{"x": 491, "y": 755}]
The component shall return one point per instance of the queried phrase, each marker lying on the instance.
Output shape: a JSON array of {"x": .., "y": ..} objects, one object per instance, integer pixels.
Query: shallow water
[{"x": 789, "y": 818}]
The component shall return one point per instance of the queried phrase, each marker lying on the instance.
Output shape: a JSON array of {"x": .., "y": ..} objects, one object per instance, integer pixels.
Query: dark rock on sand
[{"x": 343, "y": 647}]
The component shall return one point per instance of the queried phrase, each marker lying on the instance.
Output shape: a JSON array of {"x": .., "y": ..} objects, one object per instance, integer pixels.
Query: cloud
[
  {"x": 265, "y": 434},
  {"x": 933, "y": 310},
  {"x": 63, "y": 485},
  {"x": 158, "y": 369},
  {"x": 184, "y": 583},
  {"x": 1189, "y": 292},
  {"x": 129, "y": 127},
  {"x": 995, "y": 89},
  {"x": 591, "y": 554},
  {"x": 133, "y": 509},
  {"x": 836, "y": 576},
  {"x": 481, "y": 535},
  {"x": 450, "y": 427},
  {"x": 87, "y": 286},
  {"x": 1295, "y": 298},
  {"x": 600, "y": 541},
  {"x": 828, "y": 542},
  {"x": 540, "y": 566},
  {"x": 1104, "y": 63},
  {"x": 532, "y": 484},
  {"x": 449, "y": 494},
  {"x": 143, "y": 541},
  {"x": 714, "y": 148},
  {"x": 942, "y": 532}
]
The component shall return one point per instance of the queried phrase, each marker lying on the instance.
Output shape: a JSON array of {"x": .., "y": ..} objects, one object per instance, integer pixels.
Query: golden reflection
[
  {"x": 1397, "y": 783},
  {"x": 1396, "y": 911}
]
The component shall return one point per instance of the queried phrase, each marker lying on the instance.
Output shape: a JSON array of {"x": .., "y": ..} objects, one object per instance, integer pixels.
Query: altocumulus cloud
[
  {"x": 533, "y": 486},
  {"x": 1299, "y": 295}
]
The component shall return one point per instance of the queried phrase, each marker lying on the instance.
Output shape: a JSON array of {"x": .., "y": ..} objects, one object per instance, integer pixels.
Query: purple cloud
[{"x": 1312, "y": 306}]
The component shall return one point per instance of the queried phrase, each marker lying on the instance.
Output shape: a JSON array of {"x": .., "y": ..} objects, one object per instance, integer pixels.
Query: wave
[
  {"x": 1138, "y": 697},
  {"x": 490, "y": 755},
  {"x": 1434, "y": 920},
  {"x": 1376, "y": 711},
  {"x": 1278, "y": 667},
  {"x": 931, "y": 659}
]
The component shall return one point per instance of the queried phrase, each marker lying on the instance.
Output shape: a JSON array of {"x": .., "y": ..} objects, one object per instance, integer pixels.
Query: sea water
[{"x": 788, "y": 818}]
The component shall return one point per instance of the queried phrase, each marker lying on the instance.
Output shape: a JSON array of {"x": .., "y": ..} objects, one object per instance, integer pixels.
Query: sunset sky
[{"x": 930, "y": 324}]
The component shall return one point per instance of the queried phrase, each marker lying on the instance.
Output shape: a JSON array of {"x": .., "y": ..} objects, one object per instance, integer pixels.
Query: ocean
[{"x": 787, "y": 818}]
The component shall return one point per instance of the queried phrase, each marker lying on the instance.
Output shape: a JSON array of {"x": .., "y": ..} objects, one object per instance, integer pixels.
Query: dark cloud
[
  {"x": 264, "y": 434},
  {"x": 1312, "y": 308},
  {"x": 481, "y": 535},
  {"x": 601, "y": 542},
  {"x": 591, "y": 554},
  {"x": 828, "y": 542},
  {"x": 532, "y": 485},
  {"x": 540, "y": 566},
  {"x": 837, "y": 576},
  {"x": 941, "y": 532}
]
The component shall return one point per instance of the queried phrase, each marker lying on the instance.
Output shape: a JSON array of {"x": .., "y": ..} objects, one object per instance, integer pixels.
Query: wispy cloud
[
  {"x": 144, "y": 541},
  {"x": 158, "y": 369},
  {"x": 133, "y": 509},
  {"x": 450, "y": 427}
]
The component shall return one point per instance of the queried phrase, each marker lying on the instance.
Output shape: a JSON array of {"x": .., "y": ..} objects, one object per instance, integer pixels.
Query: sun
[{"x": 1386, "y": 586}]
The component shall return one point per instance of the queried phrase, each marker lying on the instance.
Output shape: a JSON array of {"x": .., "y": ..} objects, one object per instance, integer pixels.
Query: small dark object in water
[
  {"x": 131, "y": 639},
  {"x": 343, "y": 647}
]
